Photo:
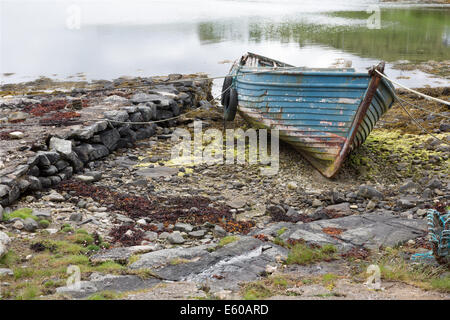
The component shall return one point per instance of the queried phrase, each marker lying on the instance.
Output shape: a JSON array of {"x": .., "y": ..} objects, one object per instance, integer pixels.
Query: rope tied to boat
[
  {"x": 415, "y": 121},
  {"x": 412, "y": 90}
]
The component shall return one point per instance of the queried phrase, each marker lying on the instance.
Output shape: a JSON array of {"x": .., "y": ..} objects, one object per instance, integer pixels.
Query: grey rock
[
  {"x": 4, "y": 190},
  {"x": 47, "y": 158},
  {"x": 84, "y": 178},
  {"x": 146, "y": 112},
  {"x": 110, "y": 138},
  {"x": 292, "y": 212},
  {"x": 100, "y": 283},
  {"x": 35, "y": 183},
  {"x": 445, "y": 127},
  {"x": 405, "y": 203},
  {"x": 370, "y": 230},
  {"x": 42, "y": 214},
  {"x": 75, "y": 161},
  {"x": 30, "y": 225},
  {"x": 434, "y": 184},
  {"x": 82, "y": 203},
  {"x": 45, "y": 182},
  {"x": 23, "y": 184},
  {"x": 369, "y": 192},
  {"x": 275, "y": 210},
  {"x": 175, "y": 238},
  {"x": 427, "y": 193},
  {"x": 197, "y": 234},
  {"x": 50, "y": 171},
  {"x": 61, "y": 164},
  {"x": 4, "y": 238},
  {"x": 409, "y": 186},
  {"x": 124, "y": 219},
  {"x": 3, "y": 250},
  {"x": 185, "y": 227},
  {"x": 54, "y": 196},
  {"x": 61, "y": 145},
  {"x": 122, "y": 254},
  {"x": 116, "y": 115},
  {"x": 144, "y": 133},
  {"x": 242, "y": 260},
  {"x": 150, "y": 236},
  {"x": 99, "y": 151},
  {"x": 83, "y": 151},
  {"x": 219, "y": 231},
  {"x": 5, "y": 271},
  {"x": 157, "y": 172},
  {"x": 163, "y": 235},
  {"x": 163, "y": 257},
  {"x": 341, "y": 208},
  {"x": 76, "y": 216},
  {"x": 141, "y": 97}
]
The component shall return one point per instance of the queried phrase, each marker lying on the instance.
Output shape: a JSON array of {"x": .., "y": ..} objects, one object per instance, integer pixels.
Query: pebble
[
  {"x": 6, "y": 272},
  {"x": 292, "y": 185},
  {"x": 175, "y": 238},
  {"x": 371, "y": 205},
  {"x": 16, "y": 135},
  {"x": 142, "y": 222},
  {"x": 316, "y": 203},
  {"x": 219, "y": 232},
  {"x": 54, "y": 196},
  {"x": 163, "y": 235},
  {"x": 150, "y": 235},
  {"x": 185, "y": 227},
  {"x": 30, "y": 225},
  {"x": 18, "y": 224},
  {"x": 197, "y": 234},
  {"x": 77, "y": 217}
]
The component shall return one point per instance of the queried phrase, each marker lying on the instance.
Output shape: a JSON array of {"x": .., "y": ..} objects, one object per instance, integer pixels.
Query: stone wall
[{"x": 67, "y": 152}]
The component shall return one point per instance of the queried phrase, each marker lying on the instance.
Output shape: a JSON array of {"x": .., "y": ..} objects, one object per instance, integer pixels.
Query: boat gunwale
[{"x": 301, "y": 71}]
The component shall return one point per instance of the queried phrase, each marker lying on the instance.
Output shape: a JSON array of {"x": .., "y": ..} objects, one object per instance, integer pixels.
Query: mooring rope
[
  {"x": 420, "y": 126},
  {"x": 412, "y": 90},
  {"x": 423, "y": 109}
]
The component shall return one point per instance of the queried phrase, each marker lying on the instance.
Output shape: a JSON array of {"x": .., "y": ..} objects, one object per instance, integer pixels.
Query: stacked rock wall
[{"x": 70, "y": 151}]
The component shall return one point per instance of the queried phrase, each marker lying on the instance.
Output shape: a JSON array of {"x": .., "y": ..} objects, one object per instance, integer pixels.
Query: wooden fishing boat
[{"x": 323, "y": 112}]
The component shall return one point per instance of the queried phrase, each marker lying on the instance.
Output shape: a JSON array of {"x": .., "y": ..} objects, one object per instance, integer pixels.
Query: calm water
[{"x": 143, "y": 38}]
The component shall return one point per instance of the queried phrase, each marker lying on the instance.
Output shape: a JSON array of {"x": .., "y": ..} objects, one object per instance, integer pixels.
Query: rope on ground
[
  {"x": 423, "y": 109},
  {"x": 420, "y": 126},
  {"x": 414, "y": 91}
]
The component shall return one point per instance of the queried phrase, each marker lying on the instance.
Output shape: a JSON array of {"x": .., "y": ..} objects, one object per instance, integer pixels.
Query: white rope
[{"x": 414, "y": 91}]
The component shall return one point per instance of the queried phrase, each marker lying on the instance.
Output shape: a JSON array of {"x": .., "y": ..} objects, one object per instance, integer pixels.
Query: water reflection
[{"x": 413, "y": 34}]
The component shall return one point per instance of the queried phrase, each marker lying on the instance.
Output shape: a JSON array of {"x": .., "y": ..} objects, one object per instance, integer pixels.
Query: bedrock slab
[
  {"x": 370, "y": 230},
  {"x": 224, "y": 268}
]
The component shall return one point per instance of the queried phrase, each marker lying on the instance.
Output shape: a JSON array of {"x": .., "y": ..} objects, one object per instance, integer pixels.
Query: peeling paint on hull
[{"x": 323, "y": 113}]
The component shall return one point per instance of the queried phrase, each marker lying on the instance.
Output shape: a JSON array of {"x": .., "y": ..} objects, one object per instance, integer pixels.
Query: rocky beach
[{"x": 87, "y": 180}]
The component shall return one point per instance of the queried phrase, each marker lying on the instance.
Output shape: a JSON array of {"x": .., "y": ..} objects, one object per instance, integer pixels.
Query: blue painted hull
[{"x": 324, "y": 113}]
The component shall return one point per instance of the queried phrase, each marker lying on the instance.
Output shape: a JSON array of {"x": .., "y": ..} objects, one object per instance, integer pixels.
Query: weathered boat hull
[{"x": 324, "y": 113}]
